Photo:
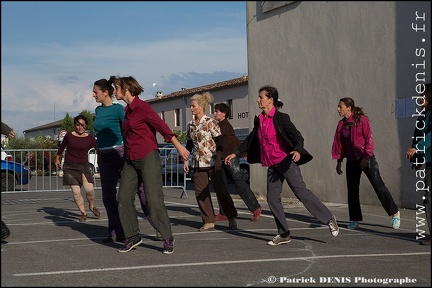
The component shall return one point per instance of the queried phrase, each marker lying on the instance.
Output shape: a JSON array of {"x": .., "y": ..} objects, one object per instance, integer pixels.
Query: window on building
[
  {"x": 177, "y": 117},
  {"x": 211, "y": 108},
  {"x": 162, "y": 115},
  {"x": 230, "y": 105}
]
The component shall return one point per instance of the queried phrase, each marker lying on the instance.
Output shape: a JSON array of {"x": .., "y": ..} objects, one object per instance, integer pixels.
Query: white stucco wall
[{"x": 315, "y": 53}]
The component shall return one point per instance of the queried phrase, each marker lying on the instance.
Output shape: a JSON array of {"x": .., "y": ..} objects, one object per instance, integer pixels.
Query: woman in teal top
[{"x": 111, "y": 155}]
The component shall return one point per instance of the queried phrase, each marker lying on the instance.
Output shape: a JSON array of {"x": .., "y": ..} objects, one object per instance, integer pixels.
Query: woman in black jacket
[{"x": 277, "y": 144}]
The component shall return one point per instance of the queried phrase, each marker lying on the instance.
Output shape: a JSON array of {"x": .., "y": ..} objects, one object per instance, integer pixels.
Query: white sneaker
[
  {"x": 395, "y": 220},
  {"x": 278, "y": 240}
]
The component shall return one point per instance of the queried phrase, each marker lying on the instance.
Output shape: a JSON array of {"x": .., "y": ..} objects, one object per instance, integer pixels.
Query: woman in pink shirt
[
  {"x": 353, "y": 140},
  {"x": 277, "y": 144}
]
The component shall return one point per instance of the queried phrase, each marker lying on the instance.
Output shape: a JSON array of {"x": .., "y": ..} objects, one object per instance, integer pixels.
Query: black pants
[
  {"x": 234, "y": 173},
  {"x": 5, "y": 232},
  {"x": 353, "y": 173}
]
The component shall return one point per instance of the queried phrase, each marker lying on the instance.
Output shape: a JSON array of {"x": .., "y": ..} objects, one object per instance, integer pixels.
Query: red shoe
[
  {"x": 256, "y": 214},
  {"x": 220, "y": 217}
]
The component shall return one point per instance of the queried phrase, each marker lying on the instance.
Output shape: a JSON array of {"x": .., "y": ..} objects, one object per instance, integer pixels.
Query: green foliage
[
  {"x": 68, "y": 123},
  {"x": 180, "y": 135},
  {"x": 90, "y": 120}
]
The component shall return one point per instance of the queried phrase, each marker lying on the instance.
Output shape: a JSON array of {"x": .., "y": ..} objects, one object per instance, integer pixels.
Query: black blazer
[{"x": 285, "y": 128}]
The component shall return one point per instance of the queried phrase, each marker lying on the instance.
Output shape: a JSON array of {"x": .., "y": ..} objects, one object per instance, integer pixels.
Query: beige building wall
[
  {"x": 169, "y": 106},
  {"x": 315, "y": 53}
]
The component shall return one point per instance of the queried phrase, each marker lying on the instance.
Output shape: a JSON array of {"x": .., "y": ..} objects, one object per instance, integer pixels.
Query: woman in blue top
[{"x": 111, "y": 155}]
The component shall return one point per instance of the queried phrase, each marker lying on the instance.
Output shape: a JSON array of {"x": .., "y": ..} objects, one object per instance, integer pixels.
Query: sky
[{"x": 53, "y": 52}]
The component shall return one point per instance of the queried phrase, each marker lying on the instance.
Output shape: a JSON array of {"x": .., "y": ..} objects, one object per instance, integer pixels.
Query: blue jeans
[{"x": 233, "y": 172}]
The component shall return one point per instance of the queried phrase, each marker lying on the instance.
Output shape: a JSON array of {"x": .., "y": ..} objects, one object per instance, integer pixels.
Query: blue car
[{"x": 12, "y": 174}]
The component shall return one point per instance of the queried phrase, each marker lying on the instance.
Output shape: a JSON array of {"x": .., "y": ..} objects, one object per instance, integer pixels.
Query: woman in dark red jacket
[{"x": 353, "y": 140}]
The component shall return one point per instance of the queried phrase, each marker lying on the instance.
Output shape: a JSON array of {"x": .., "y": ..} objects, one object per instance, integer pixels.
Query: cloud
[{"x": 37, "y": 78}]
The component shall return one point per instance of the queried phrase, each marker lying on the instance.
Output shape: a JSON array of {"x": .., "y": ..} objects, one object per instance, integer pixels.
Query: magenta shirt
[
  {"x": 273, "y": 150},
  {"x": 140, "y": 125}
]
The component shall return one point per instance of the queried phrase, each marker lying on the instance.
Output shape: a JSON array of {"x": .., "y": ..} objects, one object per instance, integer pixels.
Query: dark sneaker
[
  {"x": 256, "y": 214},
  {"x": 232, "y": 224},
  {"x": 83, "y": 217},
  {"x": 120, "y": 239},
  {"x": 333, "y": 226},
  {"x": 96, "y": 212},
  {"x": 278, "y": 240},
  {"x": 5, "y": 232},
  {"x": 130, "y": 243},
  {"x": 169, "y": 246}
]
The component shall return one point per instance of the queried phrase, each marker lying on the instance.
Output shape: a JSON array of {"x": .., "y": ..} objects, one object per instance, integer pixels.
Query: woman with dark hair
[
  {"x": 76, "y": 167},
  {"x": 420, "y": 153},
  {"x": 230, "y": 142},
  {"x": 353, "y": 140},
  {"x": 109, "y": 117},
  {"x": 276, "y": 143},
  {"x": 143, "y": 164}
]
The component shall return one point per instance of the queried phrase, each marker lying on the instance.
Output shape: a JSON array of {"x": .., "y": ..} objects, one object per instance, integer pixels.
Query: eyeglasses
[{"x": 80, "y": 124}]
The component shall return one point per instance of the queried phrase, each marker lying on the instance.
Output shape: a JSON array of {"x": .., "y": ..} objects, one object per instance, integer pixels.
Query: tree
[
  {"x": 68, "y": 123},
  {"x": 90, "y": 120}
]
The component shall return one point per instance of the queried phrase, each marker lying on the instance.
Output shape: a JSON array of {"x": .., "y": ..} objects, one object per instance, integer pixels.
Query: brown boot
[{"x": 207, "y": 227}]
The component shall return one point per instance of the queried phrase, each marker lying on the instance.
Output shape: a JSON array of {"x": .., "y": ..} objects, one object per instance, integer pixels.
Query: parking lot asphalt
[{"x": 49, "y": 247}]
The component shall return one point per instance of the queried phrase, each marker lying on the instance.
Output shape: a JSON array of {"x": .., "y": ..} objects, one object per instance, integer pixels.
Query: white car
[
  {"x": 5, "y": 155},
  {"x": 92, "y": 159}
]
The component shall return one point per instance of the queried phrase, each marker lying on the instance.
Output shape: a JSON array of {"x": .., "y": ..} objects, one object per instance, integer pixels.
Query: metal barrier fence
[{"x": 40, "y": 174}]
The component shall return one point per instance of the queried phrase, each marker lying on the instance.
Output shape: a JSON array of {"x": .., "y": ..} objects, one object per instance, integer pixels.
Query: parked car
[
  {"x": 164, "y": 150},
  {"x": 5, "y": 155},
  {"x": 13, "y": 173},
  {"x": 174, "y": 165},
  {"x": 92, "y": 159}
]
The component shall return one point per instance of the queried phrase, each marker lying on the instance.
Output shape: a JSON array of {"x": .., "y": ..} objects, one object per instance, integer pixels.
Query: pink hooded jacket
[{"x": 361, "y": 137}]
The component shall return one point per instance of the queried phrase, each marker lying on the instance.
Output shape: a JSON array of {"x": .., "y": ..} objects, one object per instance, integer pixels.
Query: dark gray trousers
[{"x": 291, "y": 172}]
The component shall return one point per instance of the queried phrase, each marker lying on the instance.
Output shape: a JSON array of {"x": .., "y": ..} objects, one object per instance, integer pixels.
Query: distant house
[
  {"x": 174, "y": 108},
  {"x": 50, "y": 130}
]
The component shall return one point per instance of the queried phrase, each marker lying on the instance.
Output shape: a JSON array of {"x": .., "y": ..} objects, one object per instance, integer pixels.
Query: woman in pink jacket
[{"x": 353, "y": 140}]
